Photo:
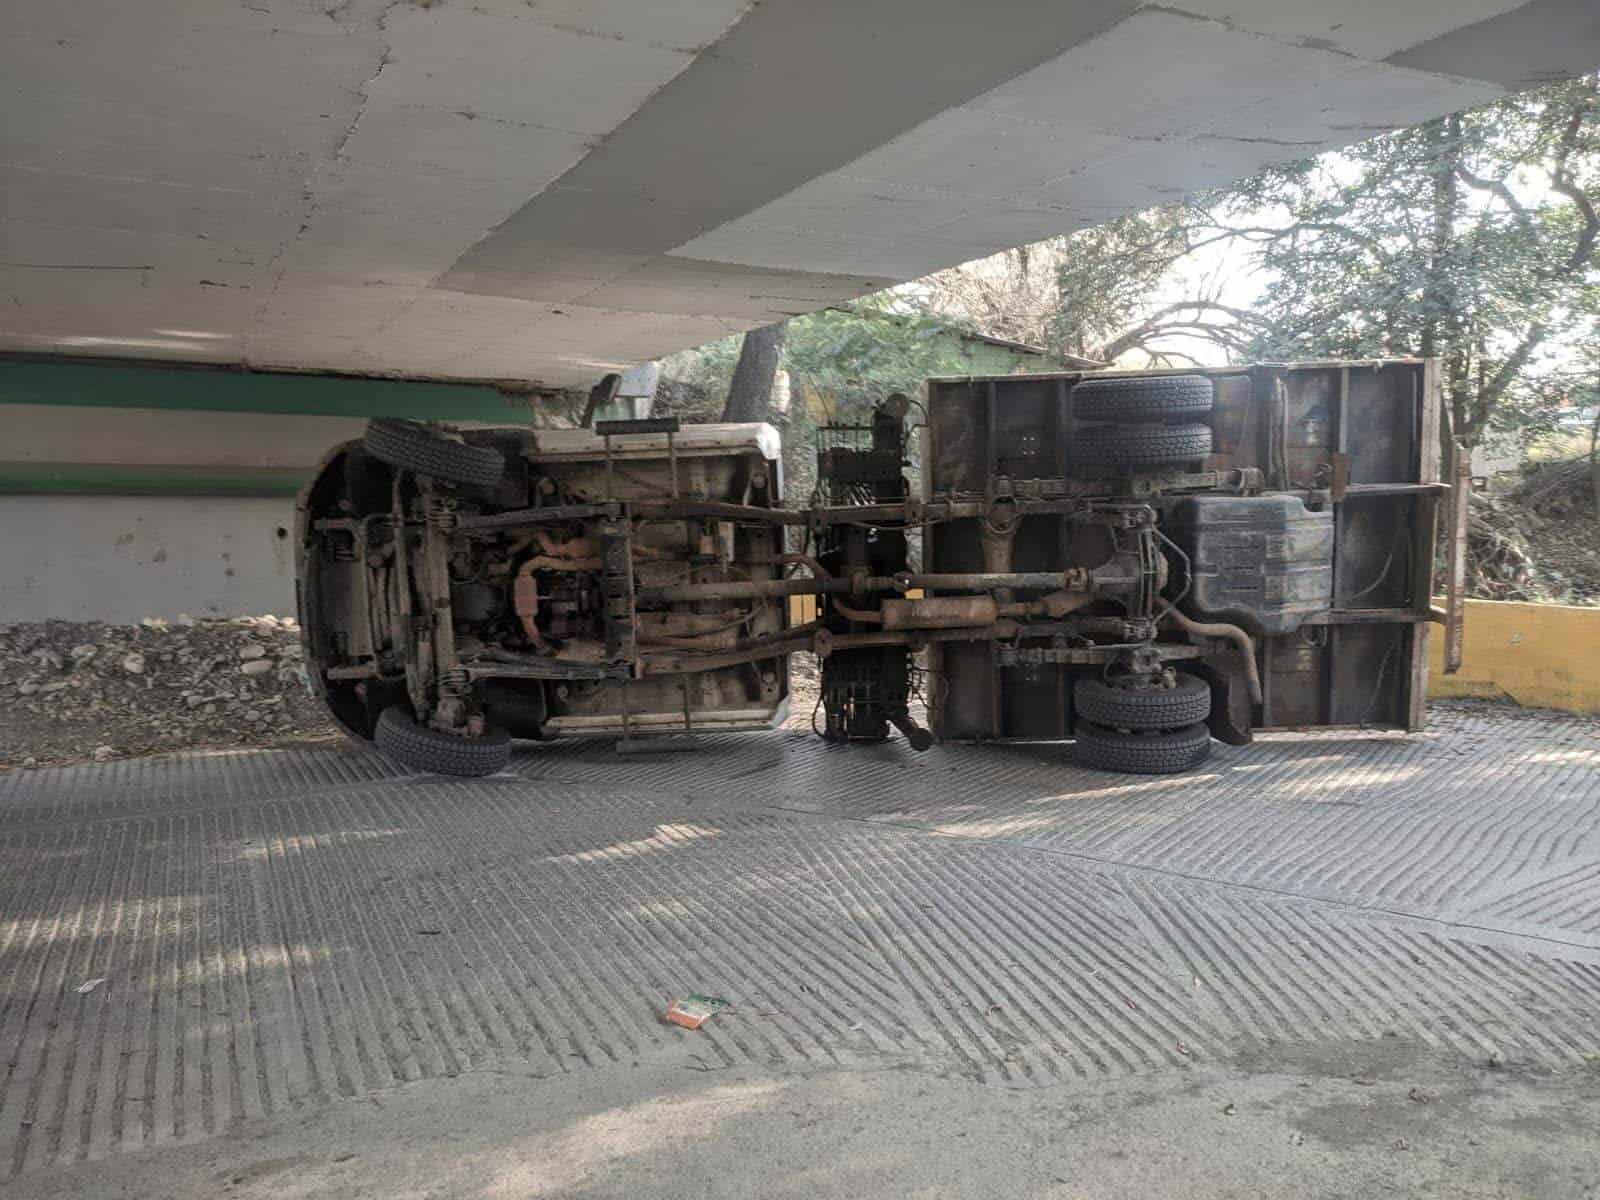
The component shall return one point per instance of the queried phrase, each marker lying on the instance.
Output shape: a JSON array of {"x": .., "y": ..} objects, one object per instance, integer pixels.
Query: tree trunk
[
  {"x": 1594, "y": 454},
  {"x": 1441, "y": 315},
  {"x": 750, "y": 394}
]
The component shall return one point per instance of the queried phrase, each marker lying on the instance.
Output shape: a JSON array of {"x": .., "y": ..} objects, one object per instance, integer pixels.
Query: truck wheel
[
  {"x": 1142, "y": 445},
  {"x": 1142, "y": 753},
  {"x": 423, "y": 749},
  {"x": 417, "y": 448},
  {"x": 1143, "y": 398},
  {"x": 1143, "y": 708}
]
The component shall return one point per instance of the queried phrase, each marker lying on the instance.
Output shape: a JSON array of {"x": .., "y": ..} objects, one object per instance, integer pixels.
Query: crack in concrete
[
  {"x": 604, "y": 36},
  {"x": 385, "y": 57},
  {"x": 1161, "y": 139},
  {"x": 309, "y": 199},
  {"x": 27, "y": 266},
  {"x": 1305, "y": 42},
  {"x": 590, "y": 141},
  {"x": 1257, "y": 141}
]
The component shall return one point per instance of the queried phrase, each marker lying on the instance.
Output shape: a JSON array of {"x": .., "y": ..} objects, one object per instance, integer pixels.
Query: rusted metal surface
[
  {"x": 940, "y": 612},
  {"x": 525, "y": 601},
  {"x": 863, "y": 585},
  {"x": 529, "y": 516}
]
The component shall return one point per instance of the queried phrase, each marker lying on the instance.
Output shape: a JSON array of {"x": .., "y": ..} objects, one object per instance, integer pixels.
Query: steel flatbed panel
[{"x": 1363, "y": 436}]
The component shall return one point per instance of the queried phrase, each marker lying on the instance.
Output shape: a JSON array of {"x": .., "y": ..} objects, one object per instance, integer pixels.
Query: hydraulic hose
[{"x": 1241, "y": 639}]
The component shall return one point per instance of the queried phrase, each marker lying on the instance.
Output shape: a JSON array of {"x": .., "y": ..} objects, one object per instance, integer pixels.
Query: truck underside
[{"x": 1137, "y": 561}]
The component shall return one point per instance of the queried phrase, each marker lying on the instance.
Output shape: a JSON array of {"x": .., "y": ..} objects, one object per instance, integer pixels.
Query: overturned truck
[{"x": 1139, "y": 562}]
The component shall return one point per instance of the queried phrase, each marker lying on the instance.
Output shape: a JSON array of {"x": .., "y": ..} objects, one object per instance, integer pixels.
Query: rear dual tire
[
  {"x": 1142, "y": 708},
  {"x": 1143, "y": 445},
  {"x": 1142, "y": 730},
  {"x": 1151, "y": 753},
  {"x": 1142, "y": 398},
  {"x": 1151, "y": 421}
]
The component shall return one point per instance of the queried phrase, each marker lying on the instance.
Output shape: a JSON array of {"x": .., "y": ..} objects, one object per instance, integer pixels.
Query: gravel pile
[
  {"x": 72, "y": 691},
  {"x": 82, "y": 690}
]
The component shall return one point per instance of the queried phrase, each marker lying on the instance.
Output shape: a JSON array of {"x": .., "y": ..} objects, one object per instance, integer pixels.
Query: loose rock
[{"x": 75, "y": 689}]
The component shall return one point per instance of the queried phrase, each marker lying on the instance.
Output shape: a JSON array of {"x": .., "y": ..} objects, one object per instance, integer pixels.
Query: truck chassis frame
[{"x": 639, "y": 579}]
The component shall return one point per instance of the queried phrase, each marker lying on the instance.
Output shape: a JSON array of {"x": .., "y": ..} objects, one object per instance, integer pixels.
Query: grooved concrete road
[{"x": 1352, "y": 961}]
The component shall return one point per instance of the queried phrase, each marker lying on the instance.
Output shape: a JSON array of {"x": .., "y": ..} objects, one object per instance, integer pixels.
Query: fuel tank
[{"x": 1262, "y": 562}]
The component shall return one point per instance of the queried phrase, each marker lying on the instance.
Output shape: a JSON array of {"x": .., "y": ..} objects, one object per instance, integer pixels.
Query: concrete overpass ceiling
[{"x": 548, "y": 189}]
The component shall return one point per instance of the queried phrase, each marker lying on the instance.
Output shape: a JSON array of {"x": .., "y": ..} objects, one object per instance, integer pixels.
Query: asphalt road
[{"x": 1334, "y": 965}]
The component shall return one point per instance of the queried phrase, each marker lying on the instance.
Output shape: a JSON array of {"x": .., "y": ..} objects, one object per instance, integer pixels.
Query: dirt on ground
[
  {"x": 77, "y": 690},
  {"x": 1537, "y": 537}
]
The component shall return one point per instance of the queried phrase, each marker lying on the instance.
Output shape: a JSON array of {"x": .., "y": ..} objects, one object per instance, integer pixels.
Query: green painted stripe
[
  {"x": 105, "y": 479},
  {"x": 101, "y": 383}
]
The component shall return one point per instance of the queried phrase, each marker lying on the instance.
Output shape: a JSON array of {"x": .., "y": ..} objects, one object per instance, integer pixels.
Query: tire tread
[
  {"x": 1142, "y": 753},
  {"x": 411, "y": 447},
  {"x": 1142, "y": 398},
  {"x": 1143, "y": 708},
  {"x": 423, "y": 749},
  {"x": 1143, "y": 445}
]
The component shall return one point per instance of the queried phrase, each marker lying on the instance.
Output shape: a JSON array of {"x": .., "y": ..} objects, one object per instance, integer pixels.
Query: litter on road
[{"x": 694, "y": 1010}]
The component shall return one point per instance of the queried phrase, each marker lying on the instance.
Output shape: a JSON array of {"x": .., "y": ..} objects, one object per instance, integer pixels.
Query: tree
[
  {"x": 750, "y": 390},
  {"x": 1088, "y": 296},
  {"x": 1115, "y": 295},
  {"x": 841, "y": 362},
  {"x": 1472, "y": 238},
  {"x": 1013, "y": 294}
]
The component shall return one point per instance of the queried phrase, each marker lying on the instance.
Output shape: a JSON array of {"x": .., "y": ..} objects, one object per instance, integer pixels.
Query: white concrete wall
[{"x": 122, "y": 558}]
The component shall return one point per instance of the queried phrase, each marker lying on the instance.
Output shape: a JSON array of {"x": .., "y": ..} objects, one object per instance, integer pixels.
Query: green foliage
[
  {"x": 841, "y": 363},
  {"x": 1472, "y": 237},
  {"x": 845, "y": 362}
]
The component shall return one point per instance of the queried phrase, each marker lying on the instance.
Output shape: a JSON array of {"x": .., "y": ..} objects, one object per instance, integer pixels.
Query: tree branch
[
  {"x": 1583, "y": 250},
  {"x": 1135, "y": 337},
  {"x": 1489, "y": 393},
  {"x": 1562, "y": 182},
  {"x": 1498, "y": 188}
]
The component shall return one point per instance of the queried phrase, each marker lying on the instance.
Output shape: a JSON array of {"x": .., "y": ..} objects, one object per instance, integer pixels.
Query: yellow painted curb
[{"x": 1540, "y": 655}]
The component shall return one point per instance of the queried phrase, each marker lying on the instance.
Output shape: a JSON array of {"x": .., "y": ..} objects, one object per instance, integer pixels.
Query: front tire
[
  {"x": 421, "y": 748},
  {"x": 417, "y": 448}
]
